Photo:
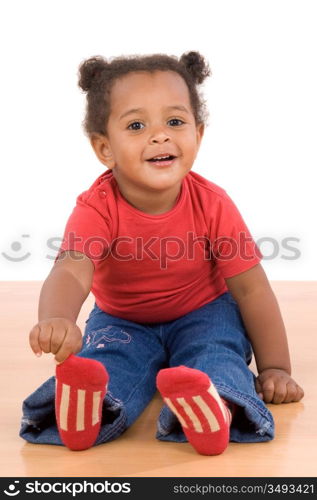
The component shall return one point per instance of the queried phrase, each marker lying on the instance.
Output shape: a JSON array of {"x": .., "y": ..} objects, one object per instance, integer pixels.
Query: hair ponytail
[
  {"x": 196, "y": 66},
  {"x": 90, "y": 72}
]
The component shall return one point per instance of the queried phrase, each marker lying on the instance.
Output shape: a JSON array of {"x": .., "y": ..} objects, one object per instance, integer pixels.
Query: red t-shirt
[{"x": 156, "y": 268}]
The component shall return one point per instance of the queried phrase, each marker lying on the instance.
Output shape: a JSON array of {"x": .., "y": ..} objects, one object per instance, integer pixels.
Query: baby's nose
[{"x": 159, "y": 136}]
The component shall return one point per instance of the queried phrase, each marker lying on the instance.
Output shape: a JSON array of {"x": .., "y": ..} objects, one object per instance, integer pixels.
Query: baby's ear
[
  {"x": 101, "y": 146},
  {"x": 200, "y": 129}
]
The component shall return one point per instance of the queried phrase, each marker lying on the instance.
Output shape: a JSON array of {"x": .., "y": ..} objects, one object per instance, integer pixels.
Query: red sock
[
  {"x": 203, "y": 415},
  {"x": 81, "y": 385}
]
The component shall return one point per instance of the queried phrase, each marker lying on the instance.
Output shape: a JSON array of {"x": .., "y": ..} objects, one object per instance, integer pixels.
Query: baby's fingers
[
  {"x": 34, "y": 340},
  {"x": 45, "y": 337},
  {"x": 258, "y": 388},
  {"x": 268, "y": 390},
  {"x": 72, "y": 344},
  {"x": 280, "y": 392},
  {"x": 294, "y": 392},
  {"x": 57, "y": 339}
]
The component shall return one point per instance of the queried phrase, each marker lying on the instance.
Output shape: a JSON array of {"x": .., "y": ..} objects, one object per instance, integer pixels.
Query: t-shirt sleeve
[
  {"x": 233, "y": 248},
  {"x": 87, "y": 231}
]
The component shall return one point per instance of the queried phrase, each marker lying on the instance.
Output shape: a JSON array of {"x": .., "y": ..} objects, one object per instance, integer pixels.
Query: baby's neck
[{"x": 157, "y": 204}]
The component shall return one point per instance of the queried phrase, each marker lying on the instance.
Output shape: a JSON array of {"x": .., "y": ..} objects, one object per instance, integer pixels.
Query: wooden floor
[{"x": 137, "y": 453}]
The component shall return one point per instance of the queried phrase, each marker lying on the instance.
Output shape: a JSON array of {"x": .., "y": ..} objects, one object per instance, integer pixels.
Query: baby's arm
[
  {"x": 62, "y": 295},
  {"x": 263, "y": 321}
]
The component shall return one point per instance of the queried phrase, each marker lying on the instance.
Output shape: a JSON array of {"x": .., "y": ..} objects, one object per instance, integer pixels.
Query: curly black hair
[{"x": 97, "y": 76}]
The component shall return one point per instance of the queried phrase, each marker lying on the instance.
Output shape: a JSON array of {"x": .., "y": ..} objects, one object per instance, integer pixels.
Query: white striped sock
[
  {"x": 80, "y": 416},
  {"x": 172, "y": 407},
  {"x": 192, "y": 415},
  {"x": 63, "y": 413},
  {"x": 214, "y": 393},
  {"x": 210, "y": 417},
  {"x": 95, "y": 407}
]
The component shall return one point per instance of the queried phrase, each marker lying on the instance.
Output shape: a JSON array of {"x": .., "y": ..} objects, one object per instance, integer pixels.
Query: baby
[{"x": 181, "y": 299}]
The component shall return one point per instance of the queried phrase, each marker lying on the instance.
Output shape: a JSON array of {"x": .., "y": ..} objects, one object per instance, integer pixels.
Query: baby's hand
[
  {"x": 60, "y": 336},
  {"x": 277, "y": 386}
]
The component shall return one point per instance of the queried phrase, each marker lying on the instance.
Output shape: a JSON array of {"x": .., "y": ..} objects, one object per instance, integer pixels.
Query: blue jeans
[{"x": 212, "y": 339}]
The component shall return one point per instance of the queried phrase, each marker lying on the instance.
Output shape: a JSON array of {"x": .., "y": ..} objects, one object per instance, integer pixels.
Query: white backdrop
[{"x": 260, "y": 144}]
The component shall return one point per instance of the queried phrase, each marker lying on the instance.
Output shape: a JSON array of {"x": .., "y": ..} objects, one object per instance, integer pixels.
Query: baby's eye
[
  {"x": 175, "y": 122},
  {"x": 133, "y": 127}
]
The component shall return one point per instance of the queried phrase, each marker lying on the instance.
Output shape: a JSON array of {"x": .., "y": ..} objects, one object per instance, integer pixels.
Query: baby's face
[{"x": 151, "y": 115}]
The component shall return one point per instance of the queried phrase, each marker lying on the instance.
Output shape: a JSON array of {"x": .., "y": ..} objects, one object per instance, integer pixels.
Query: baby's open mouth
[{"x": 162, "y": 159}]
